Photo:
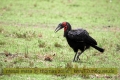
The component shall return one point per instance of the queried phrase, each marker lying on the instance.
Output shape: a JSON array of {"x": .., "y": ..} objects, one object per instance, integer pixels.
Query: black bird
[{"x": 78, "y": 39}]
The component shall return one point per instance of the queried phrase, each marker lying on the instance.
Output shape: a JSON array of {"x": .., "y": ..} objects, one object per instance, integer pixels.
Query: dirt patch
[
  {"x": 37, "y": 25},
  {"x": 112, "y": 29}
]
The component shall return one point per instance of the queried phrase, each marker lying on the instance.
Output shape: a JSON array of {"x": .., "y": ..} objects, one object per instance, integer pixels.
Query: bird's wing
[{"x": 81, "y": 35}]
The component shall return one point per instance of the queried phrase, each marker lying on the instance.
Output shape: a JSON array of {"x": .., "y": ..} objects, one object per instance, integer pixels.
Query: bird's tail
[{"x": 98, "y": 48}]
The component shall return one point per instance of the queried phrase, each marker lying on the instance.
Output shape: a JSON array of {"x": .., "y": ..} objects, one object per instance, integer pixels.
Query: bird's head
[{"x": 65, "y": 25}]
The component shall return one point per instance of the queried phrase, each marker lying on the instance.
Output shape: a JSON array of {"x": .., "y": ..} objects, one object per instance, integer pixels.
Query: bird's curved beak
[{"x": 59, "y": 27}]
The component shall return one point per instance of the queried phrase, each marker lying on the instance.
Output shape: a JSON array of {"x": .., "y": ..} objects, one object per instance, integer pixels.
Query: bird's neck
[
  {"x": 68, "y": 28},
  {"x": 65, "y": 33}
]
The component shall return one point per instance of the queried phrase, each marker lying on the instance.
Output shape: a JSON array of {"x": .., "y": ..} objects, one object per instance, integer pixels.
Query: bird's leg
[
  {"x": 79, "y": 55},
  {"x": 74, "y": 56}
]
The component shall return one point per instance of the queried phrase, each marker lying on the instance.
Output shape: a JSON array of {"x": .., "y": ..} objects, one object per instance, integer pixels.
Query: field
[{"x": 27, "y": 36}]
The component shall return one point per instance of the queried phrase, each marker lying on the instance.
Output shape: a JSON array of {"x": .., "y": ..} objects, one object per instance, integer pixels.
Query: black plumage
[{"x": 78, "y": 39}]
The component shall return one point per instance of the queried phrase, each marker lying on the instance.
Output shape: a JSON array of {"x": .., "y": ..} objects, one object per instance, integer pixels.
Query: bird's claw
[{"x": 78, "y": 59}]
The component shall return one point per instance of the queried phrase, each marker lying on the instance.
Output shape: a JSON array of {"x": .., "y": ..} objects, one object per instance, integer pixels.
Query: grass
[{"x": 27, "y": 35}]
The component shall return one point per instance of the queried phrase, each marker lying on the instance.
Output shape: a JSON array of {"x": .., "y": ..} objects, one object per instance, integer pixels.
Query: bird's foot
[
  {"x": 78, "y": 58},
  {"x": 74, "y": 60}
]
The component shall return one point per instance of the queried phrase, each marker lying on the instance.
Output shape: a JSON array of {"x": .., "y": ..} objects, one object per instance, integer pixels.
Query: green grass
[{"x": 27, "y": 32}]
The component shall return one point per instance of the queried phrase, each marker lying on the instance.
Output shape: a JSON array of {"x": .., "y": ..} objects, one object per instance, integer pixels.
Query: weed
[
  {"x": 35, "y": 5},
  {"x": 18, "y": 59},
  {"x": 26, "y": 52},
  {"x": 25, "y": 35},
  {"x": 1, "y": 30},
  {"x": 74, "y": 5},
  {"x": 2, "y": 42},
  {"x": 31, "y": 64},
  {"x": 69, "y": 65},
  {"x": 118, "y": 47},
  {"x": 40, "y": 35},
  {"x": 41, "y": 43},
  {"x": 57, "y": 45},
  {"x": 26, "y": 55}
]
